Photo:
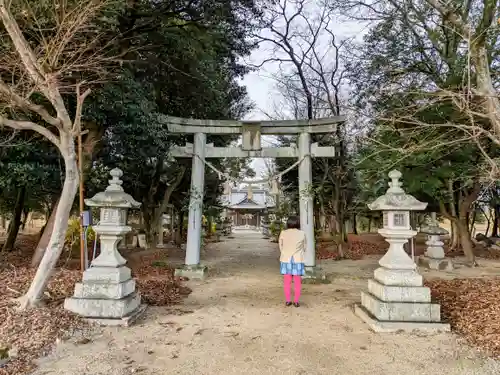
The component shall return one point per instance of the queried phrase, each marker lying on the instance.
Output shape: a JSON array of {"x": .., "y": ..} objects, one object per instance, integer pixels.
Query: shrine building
[{"x": 246, "y": 206}]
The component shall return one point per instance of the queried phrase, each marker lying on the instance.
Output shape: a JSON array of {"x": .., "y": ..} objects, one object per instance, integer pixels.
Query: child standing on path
[{"x": 292, "y": 243}]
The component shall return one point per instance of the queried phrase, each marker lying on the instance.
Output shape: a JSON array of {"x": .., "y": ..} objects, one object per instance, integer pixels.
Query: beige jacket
[{"x": 292, "y": 243}]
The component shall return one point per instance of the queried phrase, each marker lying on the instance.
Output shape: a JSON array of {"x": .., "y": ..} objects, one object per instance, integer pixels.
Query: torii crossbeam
[{"x": 251, "y": 147}]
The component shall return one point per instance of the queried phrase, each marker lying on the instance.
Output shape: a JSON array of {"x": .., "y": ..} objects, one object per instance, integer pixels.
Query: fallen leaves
[
  {"x": 33, "y": 333},
  {"x": 471, "y": 307},
  {"x": 357, "y": 248},
  {"x": 156, "y": 280}
]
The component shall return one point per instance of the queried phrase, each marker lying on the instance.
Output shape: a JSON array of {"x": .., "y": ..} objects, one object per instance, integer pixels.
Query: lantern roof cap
[
  {"x": 395, "y": 198},
  {"x": 114, "y": 195},
  {"x": 432, "y": 227}
]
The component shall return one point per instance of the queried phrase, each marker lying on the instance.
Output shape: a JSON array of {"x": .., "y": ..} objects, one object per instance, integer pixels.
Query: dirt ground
[{"x": 235, "y": 323}]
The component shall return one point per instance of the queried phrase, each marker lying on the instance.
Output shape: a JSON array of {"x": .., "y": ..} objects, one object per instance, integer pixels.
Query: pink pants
[{"x": 287, "y": 286}]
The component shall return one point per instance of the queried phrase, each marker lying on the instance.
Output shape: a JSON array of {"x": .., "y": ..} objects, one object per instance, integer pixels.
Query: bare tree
[
  {"x": 310, "y": 79},
  {"x": 38, "y": 68},
  {"x": 445, "y": 32},
  {"x": 442, "y": 59}
]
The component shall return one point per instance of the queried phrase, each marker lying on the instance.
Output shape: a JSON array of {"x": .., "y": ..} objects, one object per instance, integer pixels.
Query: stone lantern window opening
[{"x": 401, "y": 219}]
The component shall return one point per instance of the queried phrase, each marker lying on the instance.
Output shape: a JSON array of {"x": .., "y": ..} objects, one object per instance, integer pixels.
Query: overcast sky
[{"x": 262, "y": 87}]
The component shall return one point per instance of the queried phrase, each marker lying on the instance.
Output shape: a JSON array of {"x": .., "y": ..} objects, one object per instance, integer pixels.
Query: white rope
[{"x": 250, "y": 182}]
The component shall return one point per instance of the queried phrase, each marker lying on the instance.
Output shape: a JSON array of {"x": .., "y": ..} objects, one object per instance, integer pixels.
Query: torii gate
[{"x": 251, "y": 147}]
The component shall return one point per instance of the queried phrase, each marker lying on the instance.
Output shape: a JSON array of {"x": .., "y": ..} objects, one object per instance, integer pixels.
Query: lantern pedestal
[
  {"x": 107, "y": 293},
  {"x": 434, "y": 256},
  {"x": 314, "y": 275},
  {"x": 194, "y": 272},
  {"x": 396, "y": 299},
  {"x": 435, "y": 264}
]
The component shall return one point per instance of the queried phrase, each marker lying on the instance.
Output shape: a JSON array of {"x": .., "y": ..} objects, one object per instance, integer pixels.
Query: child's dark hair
[{"x": 293, "y": 222}]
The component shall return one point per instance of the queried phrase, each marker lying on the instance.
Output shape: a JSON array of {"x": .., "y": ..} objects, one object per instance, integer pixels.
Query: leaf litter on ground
[
  {"x": 470, "y": 305},
  {"x": 33, "y": 333}
]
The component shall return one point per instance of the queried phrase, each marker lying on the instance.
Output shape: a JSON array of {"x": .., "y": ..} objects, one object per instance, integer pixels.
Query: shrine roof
[
  {"x": 248, "y": 203},
  {"x": 239, "y": 199}
]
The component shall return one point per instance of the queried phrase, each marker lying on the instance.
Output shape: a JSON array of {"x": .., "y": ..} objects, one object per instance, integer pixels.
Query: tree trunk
[
  {"x": 355, "y": 224},
  {"x": 147, "y": 225},
  {"x": 209, "y": 226},
  {"x": 466, "y": 241},
  {"x": 16, "y": 220},
  {"x": 26, "y": 213},
  {"x": 487, "y": 216},
  {"x": 56, "y": 242},
  {"x": 181, "y": 222},
  {"x": 44, "y": 239},
  {"x": 454, "y": 236},
  {"x": 484, "y": 81},
  {"x": 321, "y": 214},
  {"x": 369, "y": 225},
  {"x": 318, "y": 221},
  {"x": 343, "y": 227},
  {"x": 472, "y": 221},
  {"x": 496, "y": 222},
  {"x": 90, "y": 144},
  {"x": 157, "y": 215}
]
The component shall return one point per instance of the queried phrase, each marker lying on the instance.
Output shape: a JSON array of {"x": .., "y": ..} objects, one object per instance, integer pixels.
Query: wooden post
[{"x": 83, "y": 257}]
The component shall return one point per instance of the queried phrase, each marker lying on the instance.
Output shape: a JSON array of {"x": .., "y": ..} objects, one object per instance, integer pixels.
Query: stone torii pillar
[
  {"x": 192, "y": 267},
  {"x": 306, "y": 202},
  {"x": 251, "y": 132}
]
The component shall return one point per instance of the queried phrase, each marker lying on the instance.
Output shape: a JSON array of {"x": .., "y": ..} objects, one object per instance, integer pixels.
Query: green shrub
[{"x": 72, "y": 240}]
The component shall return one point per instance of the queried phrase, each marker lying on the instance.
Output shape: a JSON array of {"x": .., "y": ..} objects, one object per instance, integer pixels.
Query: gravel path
[{"x": 235, "y": 323}]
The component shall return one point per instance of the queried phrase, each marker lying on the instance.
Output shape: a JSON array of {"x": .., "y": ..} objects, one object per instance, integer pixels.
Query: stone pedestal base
[
  {"x": 143, "y": 243},
  {"x": 195, "y": 272},
  {"x": 397, "y": 300},
  {"x": 392, "y": 327},
  {"x": 106, "y": 295},
  {"x": 313, "y": 275},
  {"x": 126, "y": 321},
  {"x": 442, "y": 264}
]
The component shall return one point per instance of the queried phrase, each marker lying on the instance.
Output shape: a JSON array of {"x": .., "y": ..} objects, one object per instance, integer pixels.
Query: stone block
[
  {"x": 196, "y": 272},
  {"x": 398, "y": 277},
  {"x": 125, "y": 321},
  {"x": 436, "y": 264},
  {"x": 103, "y": 308},
  {"x": 314, "y": 275},
  {"x": 392, "y": 327},
  {"x": 401, "y": 311},
  {"x": 435, "y": 252},
  {"x": 100, "y": 290},
  {"x": 387, "y": 293},
  {"x": 107, "y": 274}
]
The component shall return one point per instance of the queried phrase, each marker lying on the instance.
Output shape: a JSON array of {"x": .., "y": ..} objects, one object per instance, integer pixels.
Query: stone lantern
[
  {"x": 434, "y": 257},
  {"x": 396, "y": 298},
  {"x": 107, "y": 293}
]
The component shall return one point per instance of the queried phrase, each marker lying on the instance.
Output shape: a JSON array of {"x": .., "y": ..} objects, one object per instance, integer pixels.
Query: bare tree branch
[{"x": 28, "y": 125}]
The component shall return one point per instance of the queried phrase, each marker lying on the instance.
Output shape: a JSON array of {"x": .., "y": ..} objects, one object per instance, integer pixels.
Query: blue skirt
[{"x": 292, "y": 268}]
